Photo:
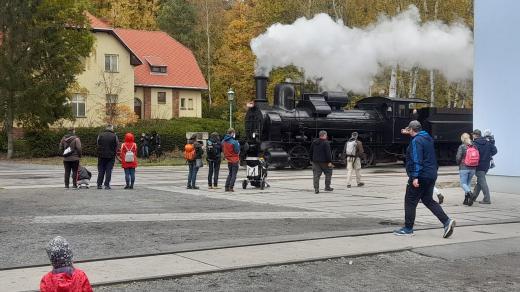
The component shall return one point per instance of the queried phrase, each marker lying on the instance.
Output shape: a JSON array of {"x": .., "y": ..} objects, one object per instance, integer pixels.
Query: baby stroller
[
  {"x": 256, "y": 173},
  {"x": 83, "y": 177}
]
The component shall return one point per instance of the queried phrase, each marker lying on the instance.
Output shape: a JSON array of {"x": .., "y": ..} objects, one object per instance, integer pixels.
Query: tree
[
  {"x": 43, "y": 45},
  {"x": 137, "y": 14},
  {"x": 178, "y": 18}
]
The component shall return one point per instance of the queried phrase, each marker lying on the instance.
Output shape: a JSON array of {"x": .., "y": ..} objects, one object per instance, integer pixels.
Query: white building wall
[{"x": 496, "y": 103}]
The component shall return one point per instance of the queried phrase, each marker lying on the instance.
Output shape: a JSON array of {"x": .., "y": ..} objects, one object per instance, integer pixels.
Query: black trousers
[
  {"x": 214, "y": 168},
  {"x": 71, "y": 167},
  {"x": 317, "y": 169},
  {"x": 423, "y": 193},
  {"x": 105, "y": 166}
]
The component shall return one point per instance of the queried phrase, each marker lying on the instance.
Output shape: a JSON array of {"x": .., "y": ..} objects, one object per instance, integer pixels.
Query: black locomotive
[{"x": 282, "y": 132}]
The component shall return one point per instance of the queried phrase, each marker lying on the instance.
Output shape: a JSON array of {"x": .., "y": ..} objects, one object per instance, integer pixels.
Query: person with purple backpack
[{"x": 467, "y": 158}]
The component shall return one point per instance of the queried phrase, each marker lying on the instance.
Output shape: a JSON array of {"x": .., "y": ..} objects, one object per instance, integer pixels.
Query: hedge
[{"x": 44, "y": 143}]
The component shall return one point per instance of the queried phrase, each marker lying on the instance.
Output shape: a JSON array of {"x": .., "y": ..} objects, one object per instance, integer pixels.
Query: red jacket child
[
  {"x": 128, "y": 145},
  {"x": 64, "y": 277}
]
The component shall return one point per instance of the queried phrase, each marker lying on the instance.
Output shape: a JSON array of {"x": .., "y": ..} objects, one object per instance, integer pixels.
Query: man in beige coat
[{"x": 354, "y": 152}]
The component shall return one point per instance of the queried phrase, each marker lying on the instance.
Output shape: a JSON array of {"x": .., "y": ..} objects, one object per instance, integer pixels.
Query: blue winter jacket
[
  {"x": 486, "y": 151},
  {"x": 420, "y": 157}
]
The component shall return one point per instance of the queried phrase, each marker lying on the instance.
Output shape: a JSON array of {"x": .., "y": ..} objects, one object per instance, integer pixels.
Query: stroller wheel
[{"x": 244, "y": 184}]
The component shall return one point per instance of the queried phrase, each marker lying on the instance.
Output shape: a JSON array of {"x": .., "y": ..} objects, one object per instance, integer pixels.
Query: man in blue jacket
[
  {"x": 421, "y": 167},
  {"x": 486, "y": 151}
]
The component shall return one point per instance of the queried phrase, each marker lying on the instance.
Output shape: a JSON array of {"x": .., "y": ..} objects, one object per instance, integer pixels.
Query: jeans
[
  {"x": 105, "y": 166},
  {"x": 317, "y": 169},
  {"x": 232, "y": 176},
  {"x": 145, "y": 151},
  {"x": 465, "y": 179},
  {"x": 130, "y": 176},
  {"x": 423, "y": 193},
  {"x": 482, "y": 185},
  {"x": 214, "y": 168},
  {"x": 71, "y": 166},
  {"x": 192, "y": 174},
  {"x": 353, "y": 163}
]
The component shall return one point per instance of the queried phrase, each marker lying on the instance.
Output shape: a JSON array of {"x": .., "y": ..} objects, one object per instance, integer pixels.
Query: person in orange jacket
[
  {"x": 128, "y": 157},
  {"x": 64, "y": 277}
]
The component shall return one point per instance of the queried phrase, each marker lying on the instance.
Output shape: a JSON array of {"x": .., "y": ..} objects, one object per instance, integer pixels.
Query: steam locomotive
[{"x": 282, "y": 133}]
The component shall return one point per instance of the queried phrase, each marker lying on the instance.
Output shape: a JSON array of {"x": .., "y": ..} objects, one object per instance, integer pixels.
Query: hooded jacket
[
  {"x": 231, "y": 149},
  {"x": 65, "y": 282},
  {"x": 129, "y": 144},
  {"x": 320, "y": 151},
  {"x": 420, "y": 157},
  {"x": 107, "y": 144},
  {"x": 486, "y": 150},
  {"x": 83, "y": 173},
  {"x": 72, "y": 141},
  {"x": 64, "y": 277}
]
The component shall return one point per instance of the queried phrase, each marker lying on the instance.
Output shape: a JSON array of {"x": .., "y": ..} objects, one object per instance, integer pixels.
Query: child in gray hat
[{"x": 64, "y": 276}]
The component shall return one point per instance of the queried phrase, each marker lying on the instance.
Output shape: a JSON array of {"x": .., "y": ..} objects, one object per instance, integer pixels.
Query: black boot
[
  {"x": 470, "y": 198},
  {"x": 467, "y": 199}
]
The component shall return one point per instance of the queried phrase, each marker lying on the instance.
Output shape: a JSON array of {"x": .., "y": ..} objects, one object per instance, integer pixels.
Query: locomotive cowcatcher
[{"x": 282, "y": 133}]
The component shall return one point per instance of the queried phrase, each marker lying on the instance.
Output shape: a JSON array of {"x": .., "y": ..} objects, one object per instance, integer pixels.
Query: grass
[{"x": 166, "y": 160}]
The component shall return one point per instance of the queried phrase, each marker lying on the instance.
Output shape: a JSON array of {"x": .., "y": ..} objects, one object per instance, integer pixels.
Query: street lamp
[{"x": 230, "y": 97}]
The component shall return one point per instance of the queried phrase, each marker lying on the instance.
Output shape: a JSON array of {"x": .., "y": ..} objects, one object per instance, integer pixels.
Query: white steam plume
[{"x": 349, "y": 57}]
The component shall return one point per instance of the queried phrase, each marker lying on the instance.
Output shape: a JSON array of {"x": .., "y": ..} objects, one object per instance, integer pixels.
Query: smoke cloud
[{"x": 348, "y": 58}]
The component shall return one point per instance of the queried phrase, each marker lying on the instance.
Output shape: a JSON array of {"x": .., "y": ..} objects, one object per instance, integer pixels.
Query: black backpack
[{"x": 211, "y": 150}]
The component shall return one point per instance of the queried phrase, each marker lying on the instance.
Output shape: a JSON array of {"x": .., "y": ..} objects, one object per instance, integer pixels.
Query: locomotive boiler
[{"x": 284, "y": 131}]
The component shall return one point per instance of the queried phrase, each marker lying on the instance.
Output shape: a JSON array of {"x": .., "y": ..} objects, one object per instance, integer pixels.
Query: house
[{"x": 133, "y": 71}]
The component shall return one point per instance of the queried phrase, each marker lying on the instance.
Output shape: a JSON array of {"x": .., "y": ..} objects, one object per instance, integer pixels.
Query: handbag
[
  {"x": 67, "y": 152},
  {"x": 199, "y": 163}
]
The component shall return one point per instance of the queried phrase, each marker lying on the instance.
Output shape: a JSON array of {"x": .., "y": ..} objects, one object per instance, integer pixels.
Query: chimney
[{"x": 261, "y": 88}]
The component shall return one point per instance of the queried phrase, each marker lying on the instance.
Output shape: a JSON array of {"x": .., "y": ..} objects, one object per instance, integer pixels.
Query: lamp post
[{"x": 231, "y": 97}]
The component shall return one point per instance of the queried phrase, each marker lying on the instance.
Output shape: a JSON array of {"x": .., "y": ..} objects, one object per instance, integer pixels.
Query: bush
[{"x": 45, "y": 143}]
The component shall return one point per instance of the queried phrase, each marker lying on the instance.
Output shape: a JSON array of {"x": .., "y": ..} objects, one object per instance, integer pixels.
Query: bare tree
[{"x": 112, "y": 87}]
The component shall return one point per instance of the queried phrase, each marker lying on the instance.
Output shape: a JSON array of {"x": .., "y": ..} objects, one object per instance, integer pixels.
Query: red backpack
[{"x": 472, "y": 156}]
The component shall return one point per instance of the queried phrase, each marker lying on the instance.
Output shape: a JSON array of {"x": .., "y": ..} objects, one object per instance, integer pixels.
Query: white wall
[{"x": 496, "y": 103}]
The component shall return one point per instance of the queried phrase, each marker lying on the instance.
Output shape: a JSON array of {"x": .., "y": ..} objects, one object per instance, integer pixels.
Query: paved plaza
[{"x": 176, "y": 232}]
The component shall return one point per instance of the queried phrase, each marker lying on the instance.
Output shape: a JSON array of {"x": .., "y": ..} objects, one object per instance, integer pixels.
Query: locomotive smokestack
[{"x": 261, "y": 88}]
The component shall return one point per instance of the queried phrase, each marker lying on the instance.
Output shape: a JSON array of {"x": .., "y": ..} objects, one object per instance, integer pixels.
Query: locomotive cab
[{"x": 397, "y": 112}]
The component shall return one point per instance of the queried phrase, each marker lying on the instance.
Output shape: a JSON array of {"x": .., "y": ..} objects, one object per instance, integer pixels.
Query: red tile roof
[
  {"x": 157, "y": 47},
  {"x": 97, "y": 23},
  {"x": 155, "y": 61}
]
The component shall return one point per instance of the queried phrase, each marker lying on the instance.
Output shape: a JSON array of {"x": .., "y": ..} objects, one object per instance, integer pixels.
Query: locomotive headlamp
[{"x": 230, "y": 94}]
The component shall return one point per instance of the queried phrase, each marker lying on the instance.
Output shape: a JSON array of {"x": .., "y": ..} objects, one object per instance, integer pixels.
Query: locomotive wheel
[{"x": 298, "y": 157}]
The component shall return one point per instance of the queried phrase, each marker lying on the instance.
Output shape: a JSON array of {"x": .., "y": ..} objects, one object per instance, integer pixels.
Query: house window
[
  {"x": 183, "y": 103},
  {"x": 158, "y": 69},
  {"x": 78, "y": 106},
  {"x": 111, "y": 63},
  {"x": 111, "y": 104},
  {"x": 190, "y": 103},
  {"x": 161, "y": 97}
]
